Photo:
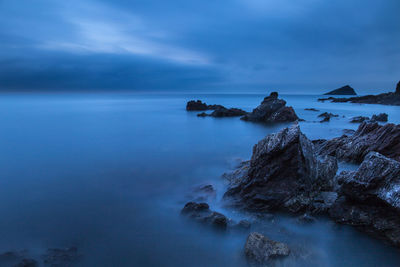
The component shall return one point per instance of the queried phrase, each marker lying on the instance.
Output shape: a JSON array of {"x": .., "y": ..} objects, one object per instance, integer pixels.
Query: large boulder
[
  {"x": 284, "y": 173},
  {"x": 370, "y": 197},
  {"x": 384, "y": 139},
  {"x": 193, "y": 105},
  {"x": 262, "y": 250},
  {"x": 271, "y": 109}
]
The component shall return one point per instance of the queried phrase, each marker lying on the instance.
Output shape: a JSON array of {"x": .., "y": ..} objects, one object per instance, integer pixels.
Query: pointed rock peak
[{"x": 398, "y": 88}]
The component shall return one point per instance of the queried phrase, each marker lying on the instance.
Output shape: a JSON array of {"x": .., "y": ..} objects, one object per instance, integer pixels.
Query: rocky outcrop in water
[
  {"x": 359, "y": 119},
  {"x": 224, "y": 112},
  {"x": 198, "y": 105},
  {"x": 345, "y": 90},
  {"x": 370, "y": 198},
  {"x": 284, "y": 173},
  {"x": 382, "y": 117},
  {"x": 200, "y": 212},
  {"x": 312, "y": 109},
  {"x": 384, "y": 139},
  {"x": 384, "y": 99},
  {"x": 262, "y": 250},
  {"x": 326, "y": 117},
  {"x": 271, "y": 110}
]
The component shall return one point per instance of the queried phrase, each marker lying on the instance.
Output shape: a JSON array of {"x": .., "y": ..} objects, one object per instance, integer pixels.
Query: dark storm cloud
[{"x": 242, "y": 45}]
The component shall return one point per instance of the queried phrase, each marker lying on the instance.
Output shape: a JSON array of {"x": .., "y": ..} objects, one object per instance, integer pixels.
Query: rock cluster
[
  {"x": 201, "y": 212},
  {"x": 224, "y": 112},
  {"x": 384, "y": 139},
  {"x": 284, "y": 173},
  {"x": 382, "y": 117},
  {"x": 270, "y": 110},
  {"x": 326, "y": 117}
]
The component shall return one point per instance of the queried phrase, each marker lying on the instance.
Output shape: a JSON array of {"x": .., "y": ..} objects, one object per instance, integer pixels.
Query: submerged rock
[
  {"x": 345, "y": 90},
  {"x": 261, "y": 250},
  {"x": 359, "y": 119},
  {"x": 311, "y": 109},
  {"x": 284, "y": 173},
  {"x": 271, "y": 110},
  {"x": 201, "y": 212},
  {"x": 371, "y": 198},
  {"x": 384, "y": 139}
]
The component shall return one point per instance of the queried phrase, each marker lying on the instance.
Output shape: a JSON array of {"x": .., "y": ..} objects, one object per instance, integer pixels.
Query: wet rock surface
[
  {"x": 224, "y": 112},
  {"x": 359, "y": 119},
  {"x": 197, "y": 105},
  {"x": 262, "y": 250},
  {"x": 382, "y": 117},
  {"x": 271, "y": 110},
  {"x": 384, "y": 139},
  {"x": 284, "y": 173},
  {"x": 312, "y": 109},
  {"x": 370, "y": 198},
  {"x": 326, "y": 117}
]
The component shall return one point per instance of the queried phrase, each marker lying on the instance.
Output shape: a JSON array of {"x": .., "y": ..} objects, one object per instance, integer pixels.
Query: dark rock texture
[
  {"x": 326, "y": 117},
  {"x": 384, "y": 139},
  {"x": 382, "y": 117},
  {"x": 359, "y": 119},
  {"x": 200, "y": 212},
  {"x": 224, "y": 112},
  {"x": 371, "y": 197},
  {"x": 311, "y": 109},
  {"x": 345, "y": 90},
  {"x": 284, "y": 173},
  {"x": 271, "y": 110},
  {"x": 61, "y": 256},
  {"x": 193, "y": 105},
  {"x": 384, "y": 99},
  {"x": 261, "y": 250}
]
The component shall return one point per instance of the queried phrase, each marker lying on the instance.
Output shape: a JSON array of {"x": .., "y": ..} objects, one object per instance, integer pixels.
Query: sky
[{"x": 291, "y": 46}]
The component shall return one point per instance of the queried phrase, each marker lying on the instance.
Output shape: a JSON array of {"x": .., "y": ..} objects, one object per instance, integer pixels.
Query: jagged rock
[
  {"x": 270, "y": 110},
  {"x": 284, "y": 173},
  {"x": 261, "y": 250},
  {"x": 196, "y": 105},
  {"x": 371, "y": 197},
  {"x": 359, "y": 119},
  {"x": 201, "y": 212},
  {"x": 61, "y": 256},
  {"x": 398, "y": 88},
  {"x": 383, "y": 117},
  {"x": 345, "y": 90},
  {"x": 311, "y": 109},
  {"x": 384, "y": 139},
  {"x": 327, "y": 116}
]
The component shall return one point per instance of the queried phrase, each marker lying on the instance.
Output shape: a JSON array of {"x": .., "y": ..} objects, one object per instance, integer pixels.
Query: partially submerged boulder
[
  {"x": 371, "y": 197},
  {"x": 284, "y": 173},
  {"x": 359, "y": 119},
  {"x": 384, "y": 139},
  {"x": 197, "y": 105},
  {"x": 200, "y": 212},
  {"x": 224, "y": 112},
  {"x": 345, "y": 90},
  {"x": 262, "y": 250},
  {"x": 270, "y": 110}
]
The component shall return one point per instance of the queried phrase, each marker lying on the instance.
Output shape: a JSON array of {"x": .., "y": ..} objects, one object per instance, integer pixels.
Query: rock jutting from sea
[
  {"x": 289, "y": 173},
  {"x": 345, "y": 90},
  {"x": 383, "y": 99}
]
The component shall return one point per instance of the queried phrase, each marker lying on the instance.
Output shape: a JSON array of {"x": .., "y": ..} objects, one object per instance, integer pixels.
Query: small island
[{"x": 345, "y": 90}]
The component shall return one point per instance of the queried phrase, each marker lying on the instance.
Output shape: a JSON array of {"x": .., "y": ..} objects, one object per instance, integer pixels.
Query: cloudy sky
[{"x": 195, "y": 45}]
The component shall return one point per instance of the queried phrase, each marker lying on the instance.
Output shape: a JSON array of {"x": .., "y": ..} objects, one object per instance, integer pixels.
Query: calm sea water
[{"x": 109, "y": 173}]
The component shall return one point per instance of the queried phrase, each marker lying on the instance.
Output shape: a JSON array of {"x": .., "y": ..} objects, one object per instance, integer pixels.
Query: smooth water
[{"x": 109, "y": 173}]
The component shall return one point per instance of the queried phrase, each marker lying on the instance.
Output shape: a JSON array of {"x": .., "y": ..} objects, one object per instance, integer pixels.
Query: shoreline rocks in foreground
[
  {"x": 345, "y": 90},
  {"x": 383, "y": 99},
  {"x": 270, "y": 110},
  {"x": 289, "y": 173}
]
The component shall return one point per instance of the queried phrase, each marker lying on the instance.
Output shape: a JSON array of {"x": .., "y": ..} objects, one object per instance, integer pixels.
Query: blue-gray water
[{"x": 109, "y": 173}]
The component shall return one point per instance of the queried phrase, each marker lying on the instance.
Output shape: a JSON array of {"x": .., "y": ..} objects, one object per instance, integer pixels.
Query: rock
[
  {"x": 359, "y": 119},
  {"x": 238, "y": 174},
  {"x": 383, "y": 99},
  {"x": 261, "y": 250},
  {"x": 371, "y": 198},
  {"x": 398, "y": 88},
  {"x": 327, "y": 116},
  {"x": 311, "y": 109},
  {"x": 27, "y": 263},
  {"x": 225, "y": 112},
  {"x": 284, "y": 173},
  {"x": 202, "y": 114},
  {"x": 201, "y": 212},
  {"x": 15, "y": 258},
  {"x": 348, "y": 131},
  {"x": 382, "y": 117},
  {"x": 271, "y": 110},
  {"x": 345, "y": 90},
  {"x": 196, "y": 105},
  {"x": 203, "y": 193},
  {"x": 61, "y": 257},
  {"x": 384, "y": 139},
  {"x": 323, "y": 202},
  {"x": 326, "y": 119}
]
